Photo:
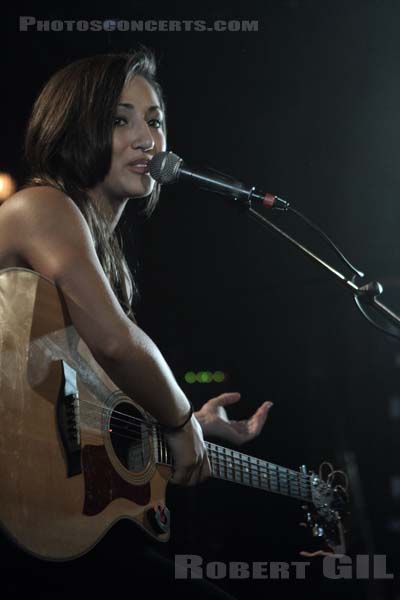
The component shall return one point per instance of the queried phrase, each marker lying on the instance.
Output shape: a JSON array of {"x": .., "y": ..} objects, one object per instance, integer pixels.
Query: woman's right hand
[{"x": 191, "y": 463}]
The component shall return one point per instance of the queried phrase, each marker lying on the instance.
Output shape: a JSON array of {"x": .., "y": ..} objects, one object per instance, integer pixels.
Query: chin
[{"x": 141, "y": 189}]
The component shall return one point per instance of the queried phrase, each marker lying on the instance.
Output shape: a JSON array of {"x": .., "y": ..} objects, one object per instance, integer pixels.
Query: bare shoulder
[
  {"x": 44, "y": 228},
  {"x": 43, "y": 202},
  {"x": 37, "y": 211}
]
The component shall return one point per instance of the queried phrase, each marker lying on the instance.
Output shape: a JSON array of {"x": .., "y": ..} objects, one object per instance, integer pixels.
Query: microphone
[{"x": 167, "y": 167}]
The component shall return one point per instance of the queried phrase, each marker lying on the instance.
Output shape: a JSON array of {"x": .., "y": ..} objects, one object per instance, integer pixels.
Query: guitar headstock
[{"x": 327, "y": 512}]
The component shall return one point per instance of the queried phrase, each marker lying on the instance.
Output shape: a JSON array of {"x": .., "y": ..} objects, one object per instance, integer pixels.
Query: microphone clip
[{"x": 369, "y": 291}]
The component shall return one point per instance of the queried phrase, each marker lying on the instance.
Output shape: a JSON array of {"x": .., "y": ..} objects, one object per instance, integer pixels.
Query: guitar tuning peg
[
  {"x": 318, "y": 531},
  {"x": 302, "y": 524},
  {"x": 304, "y": 506}
]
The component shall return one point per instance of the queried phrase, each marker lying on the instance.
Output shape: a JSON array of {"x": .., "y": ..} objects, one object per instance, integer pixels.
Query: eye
[
  {"x": 118, "y": 121},
  {"x": 156, "y": 123}
]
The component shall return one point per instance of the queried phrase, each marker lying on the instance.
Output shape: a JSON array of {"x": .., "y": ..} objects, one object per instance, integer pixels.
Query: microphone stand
[
  {"x": 367, "y": 293},
  {"x": 167, "y": 167}
]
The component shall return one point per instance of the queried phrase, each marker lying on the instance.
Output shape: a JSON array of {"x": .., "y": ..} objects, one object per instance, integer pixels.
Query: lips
[{"x": 141, "y": 165}]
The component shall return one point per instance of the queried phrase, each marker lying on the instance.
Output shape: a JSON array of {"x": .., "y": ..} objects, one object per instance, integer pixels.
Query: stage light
[
  {"x": 204, "y": 377},
  {"x": 190, "y": 377},
  {"x": 219, "y": 376},
  {"x": 7, "y": 186}
]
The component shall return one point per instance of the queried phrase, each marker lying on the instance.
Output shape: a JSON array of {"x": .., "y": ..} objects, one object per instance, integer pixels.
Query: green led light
[
  {"x": 218, "y": 376},
  {"x": 190, "y": 377},
  {"x": 204, "y": 377}
]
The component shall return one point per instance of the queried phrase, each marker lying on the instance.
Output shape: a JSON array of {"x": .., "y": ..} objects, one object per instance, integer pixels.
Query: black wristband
[{"x": 182, "y": 425}]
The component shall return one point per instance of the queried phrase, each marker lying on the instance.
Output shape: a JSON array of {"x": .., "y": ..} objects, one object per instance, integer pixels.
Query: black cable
[
  {"x": 356, "y": 272},
  {"x": 330, "y": 242}
]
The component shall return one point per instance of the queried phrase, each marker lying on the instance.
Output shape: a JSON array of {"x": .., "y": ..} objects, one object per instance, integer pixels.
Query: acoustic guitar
[{"x": 77, "y": 455}]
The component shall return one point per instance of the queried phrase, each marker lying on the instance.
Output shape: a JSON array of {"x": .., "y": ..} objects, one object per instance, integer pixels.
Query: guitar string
[
  {"x": 265, "y": 479},
  {"x": 149, "y": 426},
  {"x": 263, "y": 474},
  {"x": 251, "y": 468},
  {"x": 140, "y": 421},
  {"x": 218, "y": 451},
  {"x": 104, "y": 409},
  {"x": 266, "y": 470},
  {"x": 140, "y": 424},
  {"x": 236, "y": 460},
  {"x": 144, "y": 424}
]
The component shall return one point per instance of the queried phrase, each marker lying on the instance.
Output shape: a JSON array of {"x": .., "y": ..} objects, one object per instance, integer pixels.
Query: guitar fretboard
[{"x": 237, "y": 467}]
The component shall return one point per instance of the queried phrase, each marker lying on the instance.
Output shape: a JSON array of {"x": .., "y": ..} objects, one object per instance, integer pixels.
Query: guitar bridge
[{"x": 68, "y": 421}]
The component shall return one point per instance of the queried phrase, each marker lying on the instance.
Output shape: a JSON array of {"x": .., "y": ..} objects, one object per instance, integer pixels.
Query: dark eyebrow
[{"x": 131, "y": 107}]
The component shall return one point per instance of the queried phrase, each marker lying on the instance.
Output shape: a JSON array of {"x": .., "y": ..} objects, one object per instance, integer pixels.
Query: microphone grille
[{"x": 164, "y": 167}]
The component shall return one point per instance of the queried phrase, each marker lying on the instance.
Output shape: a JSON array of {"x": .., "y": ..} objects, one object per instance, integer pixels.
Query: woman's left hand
[{"x": 215, "y": 422}]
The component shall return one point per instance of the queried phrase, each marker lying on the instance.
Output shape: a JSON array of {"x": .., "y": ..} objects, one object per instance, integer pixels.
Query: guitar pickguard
[{"x": 103, "y": 484}]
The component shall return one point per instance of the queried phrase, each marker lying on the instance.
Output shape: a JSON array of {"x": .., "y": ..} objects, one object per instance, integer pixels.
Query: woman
[{"x": 93, "y": 131}]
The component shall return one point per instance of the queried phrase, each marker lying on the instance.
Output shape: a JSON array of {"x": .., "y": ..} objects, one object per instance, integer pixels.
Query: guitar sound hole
[{"x": 129, "y": 437}]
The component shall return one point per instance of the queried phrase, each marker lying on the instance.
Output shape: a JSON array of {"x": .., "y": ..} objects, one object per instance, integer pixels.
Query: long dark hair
[{"x": 68, "y": 145}]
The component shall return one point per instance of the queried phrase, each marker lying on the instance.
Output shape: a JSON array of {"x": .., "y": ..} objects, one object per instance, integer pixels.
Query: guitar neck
[
  {"x": 237, "y": 467},
  {"x": 231, "y": 465}
]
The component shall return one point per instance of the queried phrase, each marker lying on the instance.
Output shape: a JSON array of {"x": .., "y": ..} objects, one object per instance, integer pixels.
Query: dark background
[{"x": 308, "y": 108}]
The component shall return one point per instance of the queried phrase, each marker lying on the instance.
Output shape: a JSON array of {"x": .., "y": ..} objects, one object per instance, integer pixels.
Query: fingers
[
  {"x": 181, "y": 475},
  {"x": 244, "y": 431},
  {"x": 257, "y": 421},
  {"x": 263, "y": 409},
  {"x": 201, "y": 473},
  {"x": 226, "y": 399},
  {"x": 192, "y": 475}
]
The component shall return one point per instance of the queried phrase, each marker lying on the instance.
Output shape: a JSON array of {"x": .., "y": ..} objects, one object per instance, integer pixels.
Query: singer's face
[{"x": 138, "y": 134}]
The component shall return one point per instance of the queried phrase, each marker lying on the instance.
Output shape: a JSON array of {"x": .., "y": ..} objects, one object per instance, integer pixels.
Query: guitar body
[{"x": 65, "y": 477}]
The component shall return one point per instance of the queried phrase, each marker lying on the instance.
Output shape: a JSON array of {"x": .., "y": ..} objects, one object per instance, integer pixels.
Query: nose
[{"x": 143, "y": 139}]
